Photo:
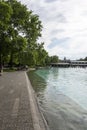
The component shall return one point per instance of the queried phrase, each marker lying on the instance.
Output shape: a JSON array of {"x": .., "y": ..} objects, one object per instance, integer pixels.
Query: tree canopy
[{"x": 20, "y": 29}]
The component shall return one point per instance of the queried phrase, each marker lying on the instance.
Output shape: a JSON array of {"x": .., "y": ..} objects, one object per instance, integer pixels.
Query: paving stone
[{"x": 15, "y": 113}]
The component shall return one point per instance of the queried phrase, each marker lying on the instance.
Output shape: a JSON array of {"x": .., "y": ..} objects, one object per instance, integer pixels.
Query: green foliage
[
  {"x": 19, "y": 32},
  {"x": 54, "y": 59},
  {"x": 83, "y": 59},
  {"x": 5, "y": 15},
  {"x": 41, "y": 55},
  {"x": 35, "y": 56},
  {"x": 19, "y": 29}
]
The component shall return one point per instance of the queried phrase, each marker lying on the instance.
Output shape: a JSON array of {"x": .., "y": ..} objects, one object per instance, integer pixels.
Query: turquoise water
[
  {"x": 72, "y": 82},
  {"x": 62, "y": 95}
]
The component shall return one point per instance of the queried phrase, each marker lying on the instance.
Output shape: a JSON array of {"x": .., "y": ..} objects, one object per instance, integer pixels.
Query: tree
[
  {"x": 36, "y": 56},
  {"x": 18, "y": 46},
  {"x": 54, "y": 59},
  {"x": 5, "y": 15},
  {"x": 41, "y": 54},
  {"x": 48, "y": 60},
  {"x": 85, "y": 59},
  {"x": 19, "y": 30}
]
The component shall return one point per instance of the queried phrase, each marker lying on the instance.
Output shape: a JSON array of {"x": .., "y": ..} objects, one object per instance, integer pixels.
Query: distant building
[{"x": 70, "y": 63}]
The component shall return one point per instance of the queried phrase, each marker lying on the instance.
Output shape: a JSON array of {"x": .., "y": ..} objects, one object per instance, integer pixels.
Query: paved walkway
[{"x": 15, "y": 110}]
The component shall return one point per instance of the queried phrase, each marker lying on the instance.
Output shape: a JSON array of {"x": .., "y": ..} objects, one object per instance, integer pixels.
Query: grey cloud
[
  {"x": 50, "y": 1},
  {"x": 56, "y": 31},
  {"x": 45, "y": 13},
  {"x": 46, "y": 16},
  {"x": 59, "y": 42},
  {"x": 61, "y": 18}
]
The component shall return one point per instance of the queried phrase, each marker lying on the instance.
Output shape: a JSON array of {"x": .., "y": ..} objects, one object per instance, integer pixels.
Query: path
[{"x": 15, "y": 105}]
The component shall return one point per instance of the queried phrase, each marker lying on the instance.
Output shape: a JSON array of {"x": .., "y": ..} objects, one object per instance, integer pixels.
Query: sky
[{"x": 64, "y": 26}]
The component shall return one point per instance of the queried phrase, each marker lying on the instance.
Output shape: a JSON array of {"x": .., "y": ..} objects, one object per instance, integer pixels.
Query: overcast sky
[{"x": 64, "y": 26}]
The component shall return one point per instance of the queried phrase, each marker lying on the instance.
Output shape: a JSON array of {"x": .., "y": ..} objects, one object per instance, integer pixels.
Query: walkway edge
[{"x": 34, "y": 107}]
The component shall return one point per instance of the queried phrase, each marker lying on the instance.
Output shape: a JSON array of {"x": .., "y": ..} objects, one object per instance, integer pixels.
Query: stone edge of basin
[{"x": 39, "y": 122}]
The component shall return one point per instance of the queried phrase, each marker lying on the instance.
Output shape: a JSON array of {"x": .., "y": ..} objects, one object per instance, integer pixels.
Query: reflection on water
[
  {"x": 62, "y": 94},
  {"x": 37, "y": 82}
]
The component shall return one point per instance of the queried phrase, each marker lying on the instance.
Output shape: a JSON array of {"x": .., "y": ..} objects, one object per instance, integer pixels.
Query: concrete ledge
[{"x": 39, "y": 122}]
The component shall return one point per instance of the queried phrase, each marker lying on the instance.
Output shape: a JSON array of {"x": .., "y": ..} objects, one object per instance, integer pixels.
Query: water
[{"x": 62, "y": 95}]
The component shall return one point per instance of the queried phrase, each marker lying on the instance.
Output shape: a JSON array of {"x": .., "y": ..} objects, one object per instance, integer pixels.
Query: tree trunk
[
  {"x": 11, "y": 60},
  {"x": 1, "y": 65}
]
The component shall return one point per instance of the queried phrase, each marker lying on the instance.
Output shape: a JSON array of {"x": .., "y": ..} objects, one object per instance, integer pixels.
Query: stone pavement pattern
[{"x": 15, "y": 113}]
